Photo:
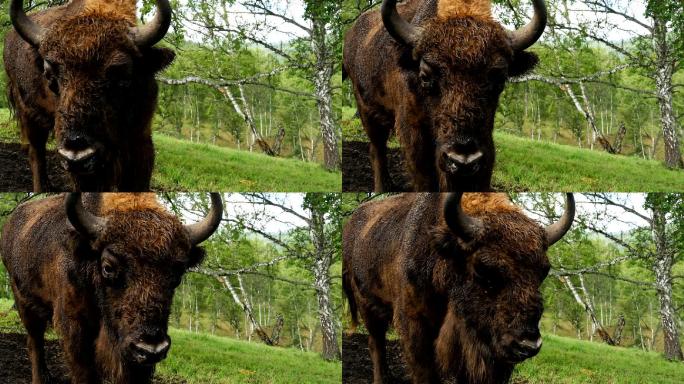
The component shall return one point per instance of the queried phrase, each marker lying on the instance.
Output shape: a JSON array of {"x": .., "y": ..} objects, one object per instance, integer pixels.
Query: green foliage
[{"x": 672, "y": 12}]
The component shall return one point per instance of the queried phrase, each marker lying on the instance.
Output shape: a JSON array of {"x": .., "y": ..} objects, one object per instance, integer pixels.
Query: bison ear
[
  {"x": 523, "y": 62},
  {"x": 196, "y": 256},
  {"x": 157, "y": 59}
]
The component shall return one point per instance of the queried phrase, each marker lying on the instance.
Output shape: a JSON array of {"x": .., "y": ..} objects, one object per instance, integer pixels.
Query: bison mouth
[
  {"x": 82, "y": 162},
  {"x": 521, "y": 350},
  {"x": 460, "y": 165},
  {"x": 147, "y": 354}
]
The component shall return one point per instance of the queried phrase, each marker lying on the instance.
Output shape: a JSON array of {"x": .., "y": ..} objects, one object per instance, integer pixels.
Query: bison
[
  {"x": 457, "y": 276},
  {"x": 102, "y": 269},
  {"x": 432, "y": 71},
  {"x": 86, "y": 71}
]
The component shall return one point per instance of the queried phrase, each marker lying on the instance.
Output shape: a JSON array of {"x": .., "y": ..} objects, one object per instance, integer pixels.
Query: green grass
[
  {"x": 528, "y": 165},
  {"x": 210, "y": 359},
  {"x": 182, "y": 165},
  {"x": 568, "y": 361}
]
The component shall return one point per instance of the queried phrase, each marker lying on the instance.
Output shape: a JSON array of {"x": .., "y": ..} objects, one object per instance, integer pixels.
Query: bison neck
[
  {"x": 462, "y": 355},
  {"x": 112, "y": 364}
]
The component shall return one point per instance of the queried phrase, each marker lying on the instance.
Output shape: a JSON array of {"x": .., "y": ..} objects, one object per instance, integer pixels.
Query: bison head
[
  {"x": 98, "y": 71},
  {"x": 458, "y": 67},
  {"x": 132, "y": 261},
  {"x": 491, "y": 269}
]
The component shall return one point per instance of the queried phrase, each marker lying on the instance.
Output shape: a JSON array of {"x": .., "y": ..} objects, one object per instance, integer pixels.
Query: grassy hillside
[
  {"x": 210, "y": 359},
  {"x": 182, "y": 165},
  {"x": 568, "y": 361},
  {"x": 527, "y": 165}
]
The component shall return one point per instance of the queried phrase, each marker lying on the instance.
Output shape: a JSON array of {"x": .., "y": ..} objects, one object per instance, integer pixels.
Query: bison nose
[
  {"x": 147, "y": 353},
  {"x": 76, "y": 148},
  {"x": 527, "y": 348},
  {"x": 462, "y": 163}
]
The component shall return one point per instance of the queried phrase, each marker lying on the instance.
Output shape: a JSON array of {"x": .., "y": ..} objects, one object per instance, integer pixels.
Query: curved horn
[
  {"x": 85, "y": 222},
  {"x": 400, "y": 29},
  {"x": 460, "y": 223},
  {"x": 152, "y": 32},
  {"x": 201, "y": 231},
  {"x": 556, "y": 231},
  {"x": 524, "y": 37},
  {"x": 30, "y": 31}
]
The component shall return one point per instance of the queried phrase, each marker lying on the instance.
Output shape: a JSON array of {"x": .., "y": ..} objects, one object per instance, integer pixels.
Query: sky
[
  {"x": 281, "y": 31},
  {"x": 237, "y": 205},
  {"x": 586, "y": 207},
  {"x": 580, "y": 13}
]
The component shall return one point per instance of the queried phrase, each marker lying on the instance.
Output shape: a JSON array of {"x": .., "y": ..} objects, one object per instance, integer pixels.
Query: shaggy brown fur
[
  {"x": 94, "y": 87},
  {"x": 460, "y": 305},
  {"x": 439, "y": 96},
  {"x": 104, "y": 295}
]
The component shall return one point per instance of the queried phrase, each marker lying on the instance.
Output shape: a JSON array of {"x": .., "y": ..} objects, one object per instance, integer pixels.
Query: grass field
[
  {"x": 205, "y": 359},
  {"x": 182, "y": 165},
  {"x": 526, "y": 165},
  {"x": 208, "y": 359},
  {"x": 568, "y": 361}
]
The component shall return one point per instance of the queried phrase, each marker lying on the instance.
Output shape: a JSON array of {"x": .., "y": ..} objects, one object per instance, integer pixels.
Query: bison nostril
[{"x": 76, "y": 143}]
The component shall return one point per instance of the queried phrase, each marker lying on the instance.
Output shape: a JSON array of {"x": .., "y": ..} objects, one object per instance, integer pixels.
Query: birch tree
[
  {"x": 650, "y": 42},
  {"x": 312, "y": 51}
]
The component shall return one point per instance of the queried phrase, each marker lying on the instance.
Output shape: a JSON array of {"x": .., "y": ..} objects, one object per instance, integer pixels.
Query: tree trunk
[
  {"x": 662, "y": 268},
  {"x": 588, "y": 307},
  {"x": 321, "y": 272},
  {"x": 665, "y": 66},
  {"x": 246, "y": 306},
  {"x": 323, "y": 88}
]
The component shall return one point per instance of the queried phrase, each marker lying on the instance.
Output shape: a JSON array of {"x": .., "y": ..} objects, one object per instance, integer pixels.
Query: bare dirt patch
[
  {"x": 15, "y": 367},
  {"x": 15, "y": 173},
  {"x": 357, "y": 367},
  {"x": 357, "y": 174}
]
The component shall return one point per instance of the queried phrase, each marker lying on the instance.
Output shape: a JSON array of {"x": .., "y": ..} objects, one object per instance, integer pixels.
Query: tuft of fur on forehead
[
  {"x": 487, "y": 203},
  {"x": 151, "y": 232},
  {"x": 505, "y": 220},
  {"x": 87, "y": 40},
  {"x": 125, "y": 202},
  {"x": 463, "y": 43},
  {"x": 123, "y": 8},
  {"x": 479, "y": 9}
]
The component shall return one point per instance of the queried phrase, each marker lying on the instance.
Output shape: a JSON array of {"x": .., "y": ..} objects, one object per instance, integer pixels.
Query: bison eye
[
  {"x": 425, "y": 75},
  {"x": 108, "y": 272},
  {"x": 50, "y": 74},
  {"x": 109, "y": 267}
]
